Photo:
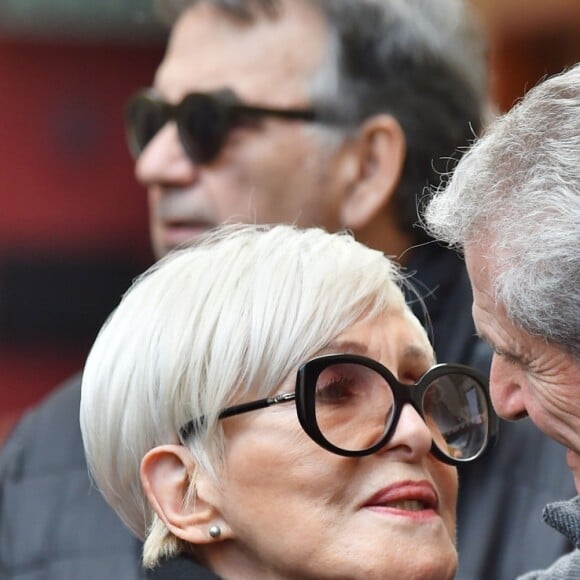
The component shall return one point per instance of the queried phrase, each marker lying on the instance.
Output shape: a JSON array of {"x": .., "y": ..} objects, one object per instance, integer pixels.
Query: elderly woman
[{"x": 264, "y": 405}]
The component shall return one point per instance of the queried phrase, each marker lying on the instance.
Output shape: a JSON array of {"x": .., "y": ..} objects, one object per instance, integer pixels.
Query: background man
[
  {"x": 513, "y": 206},
  {"x": 380, "y": 93}
]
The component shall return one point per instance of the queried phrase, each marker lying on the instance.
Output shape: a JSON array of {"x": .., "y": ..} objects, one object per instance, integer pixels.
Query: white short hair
[
  {"x": 518, "y": 191},
  {"x": 232, "y": 315}
]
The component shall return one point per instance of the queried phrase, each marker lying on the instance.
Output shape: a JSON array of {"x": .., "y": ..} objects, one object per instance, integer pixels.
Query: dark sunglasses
[
  {"x": 350, "y": 405},
  {"x": 203, "y": 120}
]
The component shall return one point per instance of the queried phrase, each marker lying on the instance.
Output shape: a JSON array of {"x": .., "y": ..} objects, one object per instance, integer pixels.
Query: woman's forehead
[{"x": 394, "y": 334}]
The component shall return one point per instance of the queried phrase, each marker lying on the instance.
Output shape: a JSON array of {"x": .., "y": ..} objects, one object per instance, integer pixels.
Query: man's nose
[
  {"x": 506, "y": 391},
  {"x": 164, "y": 160}
]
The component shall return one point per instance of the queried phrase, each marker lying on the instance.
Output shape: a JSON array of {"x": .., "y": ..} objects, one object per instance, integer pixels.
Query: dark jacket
[
  {"x": 55, "y": 526},
  {"x": 181, "y": 568}
]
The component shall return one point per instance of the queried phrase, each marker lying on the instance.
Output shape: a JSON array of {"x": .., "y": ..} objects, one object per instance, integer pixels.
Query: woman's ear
[
  {"x": 379, "y": 158},
  {"x": 167, "y": 473}
]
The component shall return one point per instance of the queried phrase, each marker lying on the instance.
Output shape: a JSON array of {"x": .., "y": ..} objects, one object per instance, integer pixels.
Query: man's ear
[
  {"x": 379, "y": 157},
  {"x": 166, "y": 475}
]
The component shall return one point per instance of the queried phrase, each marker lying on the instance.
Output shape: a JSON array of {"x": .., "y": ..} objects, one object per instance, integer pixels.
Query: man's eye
[{"x": 509, "y": 357}]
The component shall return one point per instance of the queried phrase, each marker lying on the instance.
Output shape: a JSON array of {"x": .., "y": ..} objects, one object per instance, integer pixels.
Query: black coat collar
[{"x": 180, "y": 568}]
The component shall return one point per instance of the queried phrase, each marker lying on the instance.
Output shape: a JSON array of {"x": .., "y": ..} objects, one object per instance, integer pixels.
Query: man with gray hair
[
  {"x": 512, "y": 206},
  {"x": 332, "y": 113}
]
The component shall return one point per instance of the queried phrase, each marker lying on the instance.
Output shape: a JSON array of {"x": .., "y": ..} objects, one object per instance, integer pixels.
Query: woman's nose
[
  {"x": 412, "y": 438},
  {"x": 505, "y": 383},
  {"x": 164, "y": 160}
]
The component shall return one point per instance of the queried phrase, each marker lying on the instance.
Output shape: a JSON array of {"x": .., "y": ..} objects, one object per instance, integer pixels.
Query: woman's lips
[{"x": 415, "y": 499}]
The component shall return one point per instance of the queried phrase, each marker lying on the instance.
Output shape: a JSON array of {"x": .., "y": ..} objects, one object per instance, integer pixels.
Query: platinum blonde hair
[
  {"x": 517, "y": 194},
  {"x": 228, "y": 318},
  {"x": 420, "y": 61}
]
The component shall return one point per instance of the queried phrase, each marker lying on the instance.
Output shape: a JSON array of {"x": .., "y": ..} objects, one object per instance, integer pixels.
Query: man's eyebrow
[{"x": 508, "y": 353}]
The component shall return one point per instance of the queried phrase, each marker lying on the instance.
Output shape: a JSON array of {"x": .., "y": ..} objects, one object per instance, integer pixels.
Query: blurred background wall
[
  {"x": 528, "y": 39},
  {"x": 73, "y": 222}
]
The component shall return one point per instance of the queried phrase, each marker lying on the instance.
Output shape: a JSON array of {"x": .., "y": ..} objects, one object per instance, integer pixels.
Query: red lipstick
[{"x": 414, "y": 499}]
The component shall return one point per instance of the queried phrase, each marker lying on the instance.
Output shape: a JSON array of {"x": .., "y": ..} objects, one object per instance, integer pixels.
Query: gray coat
[
  {"x": 563, "y": 516},
  {"x": 53, "y": 524}
]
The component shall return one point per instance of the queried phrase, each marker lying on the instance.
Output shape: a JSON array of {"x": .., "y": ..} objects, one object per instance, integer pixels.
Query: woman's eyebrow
[
  {"x": 416, "y": 353},
  {"x": 344, "y": 346},
  {"x": 411, "y": 351}
]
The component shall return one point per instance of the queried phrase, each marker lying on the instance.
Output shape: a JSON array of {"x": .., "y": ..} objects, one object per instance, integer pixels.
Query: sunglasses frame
[
  {"x": 225, "y": 108},
  {"x": 403, "y": 393}
]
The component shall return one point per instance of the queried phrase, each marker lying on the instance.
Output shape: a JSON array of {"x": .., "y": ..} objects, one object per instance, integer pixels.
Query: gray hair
[
  {"x": 229, "y": 318},
  {"x": 421, "y": 61},
  {"x": 518, "y": 190}
]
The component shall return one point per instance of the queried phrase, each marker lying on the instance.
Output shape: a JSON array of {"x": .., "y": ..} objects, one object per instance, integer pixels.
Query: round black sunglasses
[
  {"x": 350, "y": 405},
  {"x": 204, "y": 120}
]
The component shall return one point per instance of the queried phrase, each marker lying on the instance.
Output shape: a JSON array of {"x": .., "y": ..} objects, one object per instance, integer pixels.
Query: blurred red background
[{"x": 67, "y": 193}]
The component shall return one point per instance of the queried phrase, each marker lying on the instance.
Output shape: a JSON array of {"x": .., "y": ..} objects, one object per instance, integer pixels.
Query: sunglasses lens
[
  {"x": 203, "y": 126},
  {"x": 456, "y": 411},
  {"x": 353, "y": 406},
  {"x": 144, "y": 117}
]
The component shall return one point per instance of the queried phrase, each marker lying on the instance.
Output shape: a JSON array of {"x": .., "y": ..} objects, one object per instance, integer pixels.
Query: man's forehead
[{"x": 269, "y": 60}]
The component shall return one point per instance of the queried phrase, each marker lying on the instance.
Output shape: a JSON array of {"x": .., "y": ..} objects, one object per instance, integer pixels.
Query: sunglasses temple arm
[{"x": 289, "y": 114}]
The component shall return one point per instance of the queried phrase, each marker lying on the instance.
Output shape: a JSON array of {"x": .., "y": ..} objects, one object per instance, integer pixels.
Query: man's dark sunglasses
[
  {"x": 203, "y": 120},
  {"x": 350, "y": 405}
]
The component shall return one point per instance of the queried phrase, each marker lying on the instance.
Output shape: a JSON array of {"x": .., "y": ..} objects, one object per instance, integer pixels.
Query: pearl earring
[{"x": 215, "y": 531}]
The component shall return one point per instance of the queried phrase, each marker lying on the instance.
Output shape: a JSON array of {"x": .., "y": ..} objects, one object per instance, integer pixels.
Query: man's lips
[
  {"x": 180, "y": 224},
  {"x": 176, "y": 233},
  {"x": 405, "y": 496}
]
